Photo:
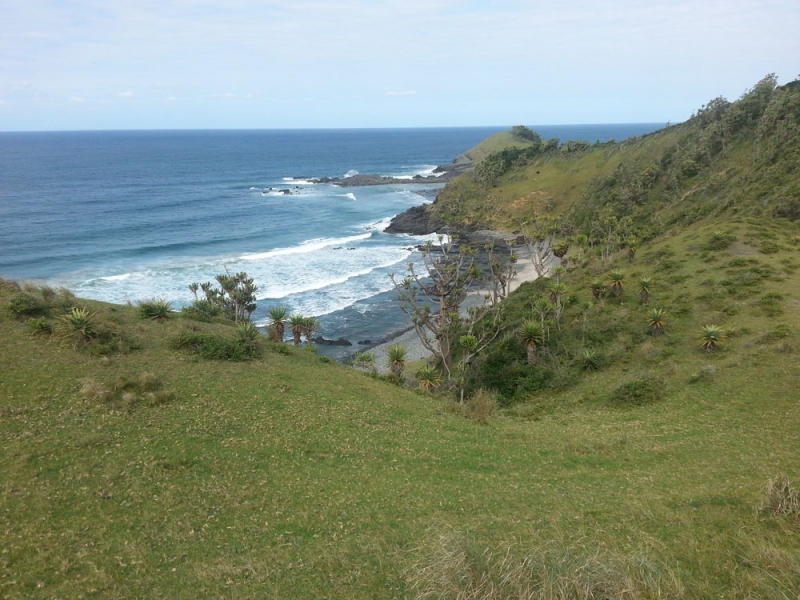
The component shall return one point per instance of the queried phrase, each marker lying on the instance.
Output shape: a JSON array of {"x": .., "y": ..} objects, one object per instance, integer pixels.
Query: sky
[{"x": 209, "y": 64}]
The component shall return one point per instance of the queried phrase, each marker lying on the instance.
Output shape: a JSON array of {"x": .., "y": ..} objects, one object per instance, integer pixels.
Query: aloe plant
[
  {"x": 396, "y": 359},
  {"x": 711, "y": 337},
  {"x": 428, "y": 378},
  {"x": 531, "y": 334}
]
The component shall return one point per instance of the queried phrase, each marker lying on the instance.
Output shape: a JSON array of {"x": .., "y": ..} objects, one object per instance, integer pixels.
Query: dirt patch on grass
[{"x": 742, "y": 249}]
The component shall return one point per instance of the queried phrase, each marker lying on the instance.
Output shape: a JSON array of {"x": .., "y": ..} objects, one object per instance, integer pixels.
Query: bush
[
  {"x": 638, "y": 392},
  {"x": 27, "y": 304},
  {"x": 480, "y": 406},
  {"x": 214, "y": 347},
  {"x": 40, "y": 325},
  {"x": 202, "y": 310},
  {"x": 719, "y": 241},
  {"x": 590, "y": 360}
]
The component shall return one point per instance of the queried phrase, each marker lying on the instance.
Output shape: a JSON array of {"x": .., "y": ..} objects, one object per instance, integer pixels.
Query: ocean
[{"x": 123, "y": 216}]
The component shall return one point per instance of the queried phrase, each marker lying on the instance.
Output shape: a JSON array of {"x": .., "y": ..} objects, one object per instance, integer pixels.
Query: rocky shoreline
[
  {"x": 442, "y": 174},
  {"x": 416, "y": 221}
]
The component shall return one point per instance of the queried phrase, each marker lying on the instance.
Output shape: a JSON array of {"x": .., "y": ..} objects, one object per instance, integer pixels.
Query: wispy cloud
[{"x": 547, "y": 61}]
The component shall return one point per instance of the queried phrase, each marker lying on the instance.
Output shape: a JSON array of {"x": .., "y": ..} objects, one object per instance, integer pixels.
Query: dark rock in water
[
  {"x": 364, "y": 342},
  {"x": 286, "y": 192},
  {"x": 325, "y": 342},
  {"x": 415, "y": 221}
]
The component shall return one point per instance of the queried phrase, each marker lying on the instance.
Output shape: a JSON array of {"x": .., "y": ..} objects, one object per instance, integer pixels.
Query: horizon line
[{"x": 221, "y": 129}]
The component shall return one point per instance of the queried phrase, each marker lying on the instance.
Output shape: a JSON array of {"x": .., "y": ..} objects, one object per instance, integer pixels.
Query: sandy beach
[{"x": 525, "y": 271}]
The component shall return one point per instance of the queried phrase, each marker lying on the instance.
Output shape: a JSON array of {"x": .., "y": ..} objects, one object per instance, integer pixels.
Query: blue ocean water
[{"x": 130, "y": 215}]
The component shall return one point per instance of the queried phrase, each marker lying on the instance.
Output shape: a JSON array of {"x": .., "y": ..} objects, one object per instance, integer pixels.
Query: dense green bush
[
  {"x": 638, "y": 392},
  {"x": 27, "y": 304},
  {"x": 215, "y": 347},
  {"x": 202, "y": 310}
]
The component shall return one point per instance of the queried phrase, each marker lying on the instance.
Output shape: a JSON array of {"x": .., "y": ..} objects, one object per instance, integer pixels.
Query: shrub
[
  {"x": 719, "y": 241},
  {"x": 27, "y": 304},
  {"x": 590, "y": 360},
  {"x": 214, "y": 347},
  {"x": 155, "y": 310},
  {"x": 364, "y": 361},
  {"x": 281, "y": 348},
  {"x": 480, "y": 406},
  {"x": 202, "y": 310},
  {"x": 40, "y": 325},
  {"x": 638, "y": 392}
]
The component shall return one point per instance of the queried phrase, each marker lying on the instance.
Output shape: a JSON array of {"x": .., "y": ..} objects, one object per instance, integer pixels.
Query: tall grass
[{"x": 450, "y": 565}]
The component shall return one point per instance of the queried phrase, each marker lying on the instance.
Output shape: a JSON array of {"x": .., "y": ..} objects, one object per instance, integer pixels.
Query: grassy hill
[
  {"x": 622, "y": 465},
  {"x": 495, "y": 143}
]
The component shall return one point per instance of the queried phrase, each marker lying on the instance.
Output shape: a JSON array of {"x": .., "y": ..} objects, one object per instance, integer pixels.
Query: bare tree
[
  {"x": 539, "y": 234},
  {"x": 434, "y": 300}
]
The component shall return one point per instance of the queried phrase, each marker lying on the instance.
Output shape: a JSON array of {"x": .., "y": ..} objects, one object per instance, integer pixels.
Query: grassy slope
[
  {"x": 287, "y": 477},
  {"x": 563, "y": 180},
  {"x": 495, "y": 143}
]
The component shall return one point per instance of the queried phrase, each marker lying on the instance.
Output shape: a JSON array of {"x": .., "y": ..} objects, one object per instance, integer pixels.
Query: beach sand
[{"x": 415, "y": 350}]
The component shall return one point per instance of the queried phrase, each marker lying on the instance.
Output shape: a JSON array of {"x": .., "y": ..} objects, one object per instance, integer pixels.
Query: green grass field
[{"x": 288, "y": 477}]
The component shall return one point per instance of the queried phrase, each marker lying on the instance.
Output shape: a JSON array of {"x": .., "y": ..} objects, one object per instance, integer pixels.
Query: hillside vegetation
[
  {"x": 496, "y": 143},
  {"x": 640, "y": 454}
]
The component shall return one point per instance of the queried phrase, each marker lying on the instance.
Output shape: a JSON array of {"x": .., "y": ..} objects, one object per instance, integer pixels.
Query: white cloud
[{"x": 477, "y": 61}]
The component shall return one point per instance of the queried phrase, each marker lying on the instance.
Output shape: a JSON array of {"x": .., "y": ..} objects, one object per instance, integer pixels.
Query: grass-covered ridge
[
  {"x": 737, "y": 157},
  {"x": 496, "y": 143},
  {"x": 147, "y": 453}
]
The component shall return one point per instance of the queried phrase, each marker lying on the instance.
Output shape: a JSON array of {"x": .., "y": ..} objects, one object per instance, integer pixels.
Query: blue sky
[{"x": 163, "y": 64}]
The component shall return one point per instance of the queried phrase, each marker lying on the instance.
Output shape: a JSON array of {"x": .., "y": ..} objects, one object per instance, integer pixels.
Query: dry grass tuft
[
  {"x": 450, "y": 566},
  {"x": 148, "y": 380},
  {"x": 159, "y": 398},
  {"x": 780, "y": 498},
  {"x": 94, "y": 391},
  {"x": 481, "y": 406}
]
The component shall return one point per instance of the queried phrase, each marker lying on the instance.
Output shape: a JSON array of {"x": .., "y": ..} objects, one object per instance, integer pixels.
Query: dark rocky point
[{"x": 326, "y": 342}]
